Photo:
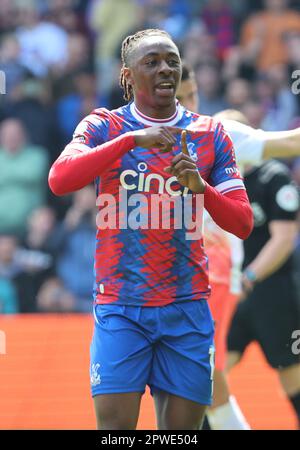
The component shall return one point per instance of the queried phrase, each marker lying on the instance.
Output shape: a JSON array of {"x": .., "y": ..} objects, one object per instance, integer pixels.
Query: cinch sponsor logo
[
  {"x": 231, "y": 170},
  {"x": 131, "y": 179}
]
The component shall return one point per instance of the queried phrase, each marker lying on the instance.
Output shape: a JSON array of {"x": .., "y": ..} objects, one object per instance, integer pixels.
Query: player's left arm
[{"x": 228, "y": 203}]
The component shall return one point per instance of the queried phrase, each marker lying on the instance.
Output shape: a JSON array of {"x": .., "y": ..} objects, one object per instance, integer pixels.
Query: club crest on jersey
[
  {"x": 95, "y": 376},
  {"x": 192, "y": 151}
]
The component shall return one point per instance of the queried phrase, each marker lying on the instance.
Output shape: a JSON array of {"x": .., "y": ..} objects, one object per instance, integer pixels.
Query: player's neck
[{"x": 163, "y": 112}]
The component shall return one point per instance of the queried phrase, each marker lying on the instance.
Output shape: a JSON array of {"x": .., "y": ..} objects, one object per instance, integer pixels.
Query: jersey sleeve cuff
[{"x": 230, "y": 185}]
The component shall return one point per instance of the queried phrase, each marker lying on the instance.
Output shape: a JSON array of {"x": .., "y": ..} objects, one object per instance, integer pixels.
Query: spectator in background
[
  {"x": 78, "y": 104},
  {"x": 210, "y": 89},
  {"x": 75, "y": 246},
  {"x": 238, "y": 92},
  {"x": 169, "y": 15},
  {"x": 23, "y": 168},
  {"x": 8, "y": 17},
  {"x": 292, "y": 48},
  {"x": 30, "y": 103},
  {"x": 22, "y": 273},
  {"x": 199, "y": 47},
  {"x": 8, "y": 294},
  {"x": 64, "y": 14},
  {"x": 39, "y": 253},
  {"x": 283, "y": 105},
  {"x": 10, "y": 63},
  {"x": 219, "y": 20},
  {"x": 40, "y": 232},
  {"x": 261, "y": 36},
  {"x": 43, "y": 44},
  {"x": 78, "y": 59},
  {"x": 124, "y": 16},
  {"x": 53, "y": 297},
  {"x": 8, "y": 297},
  {"x": 254, "y": 112},
  {"x": 116, "y": 96},
  {"x": 235, "y": 65}
]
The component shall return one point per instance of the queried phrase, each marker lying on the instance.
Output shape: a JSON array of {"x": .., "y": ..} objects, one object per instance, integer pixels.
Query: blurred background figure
[
  {"x": 53, "y": 297},
  {"x": 210, "y": 89},
  {"x": 277, "y": 97},
  {"x": 22, "y": 272},
  {"x": 40, "y": 231},
  {"x": 261, "y": 34},
  {"x": 74, "y": 246},
  {"x": 124, "y": 14},
  {"x": 23, "y": 168},
  {"x": 42, "y": 43},
  {"x": 73, "y": 107},
  {"x": 220, "y": 22},
  {"x": 31, "y": 104},
  {"x": 238, "y": 93},
  {"x": 10, "y": 62},
  {"x": 9, "y": 303}
]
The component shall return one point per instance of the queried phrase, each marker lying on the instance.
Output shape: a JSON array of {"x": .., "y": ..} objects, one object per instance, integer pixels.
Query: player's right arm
[
  {"x": 282, "y": 144},
  {"x": 252, "y": 146},
  {"x": 88, "y": 155}
]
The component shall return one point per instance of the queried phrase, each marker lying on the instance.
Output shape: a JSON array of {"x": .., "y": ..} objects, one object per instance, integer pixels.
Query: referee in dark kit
[{"x": 269, "y": 311}]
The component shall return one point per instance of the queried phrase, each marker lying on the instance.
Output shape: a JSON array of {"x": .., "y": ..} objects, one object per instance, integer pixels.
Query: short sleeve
[{"x": 225, "y": 175}]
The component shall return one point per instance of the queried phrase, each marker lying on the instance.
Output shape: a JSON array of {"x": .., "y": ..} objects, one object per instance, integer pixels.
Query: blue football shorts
[{"x": 168, "y": 348}]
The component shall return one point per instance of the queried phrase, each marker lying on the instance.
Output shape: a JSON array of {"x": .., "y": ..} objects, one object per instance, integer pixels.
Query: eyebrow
[{"x": 157, "y": 54}]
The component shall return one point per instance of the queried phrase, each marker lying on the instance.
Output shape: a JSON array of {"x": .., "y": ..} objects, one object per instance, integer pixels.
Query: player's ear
[{"x": 127, "y": 72}]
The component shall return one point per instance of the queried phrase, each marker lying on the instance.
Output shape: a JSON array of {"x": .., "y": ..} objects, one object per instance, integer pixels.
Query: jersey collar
[{"x": 170, "y": 121}]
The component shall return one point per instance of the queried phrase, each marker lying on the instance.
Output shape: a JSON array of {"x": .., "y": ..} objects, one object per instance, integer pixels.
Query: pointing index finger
[{"x": 183, "y": 143}]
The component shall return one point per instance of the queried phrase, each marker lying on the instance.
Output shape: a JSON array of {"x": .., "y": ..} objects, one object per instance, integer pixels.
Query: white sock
[{"x": 227, "y": 417}]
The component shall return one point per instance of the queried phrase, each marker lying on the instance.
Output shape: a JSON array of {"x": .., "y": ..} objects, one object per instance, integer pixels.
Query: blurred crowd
[{"x": 61, "y": 59}]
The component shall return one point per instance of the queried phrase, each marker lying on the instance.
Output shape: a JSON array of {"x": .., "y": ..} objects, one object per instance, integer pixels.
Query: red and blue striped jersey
[{"x": 143, "y": 260}]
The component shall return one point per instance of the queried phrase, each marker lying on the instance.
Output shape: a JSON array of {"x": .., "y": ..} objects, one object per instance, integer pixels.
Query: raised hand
[
  {"x": 161, "y": 137},
  {"x": 185, "y": 169}
]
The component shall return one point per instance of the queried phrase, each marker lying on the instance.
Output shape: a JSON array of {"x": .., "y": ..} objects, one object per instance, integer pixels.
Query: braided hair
[{"x": 128, "y": 45}]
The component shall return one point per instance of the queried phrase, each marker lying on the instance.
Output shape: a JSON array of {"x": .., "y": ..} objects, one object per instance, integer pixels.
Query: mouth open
[{"x": 165, "y": 89}]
